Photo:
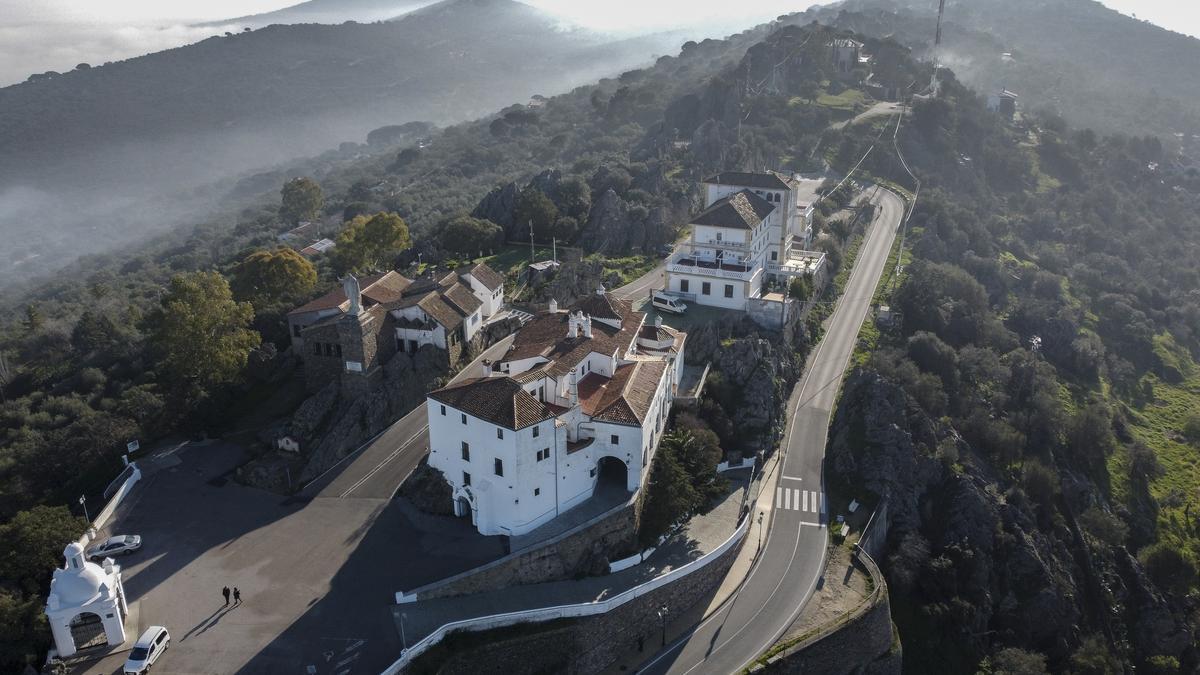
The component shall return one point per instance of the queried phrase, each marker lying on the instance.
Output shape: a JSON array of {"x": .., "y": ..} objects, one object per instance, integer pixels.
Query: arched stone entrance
[
  {"x": 87, "y": 630},
  {"x": 464, "y": 504},
  {"x": 612, "y": 474},
  {"x": 86, "y": 607}
]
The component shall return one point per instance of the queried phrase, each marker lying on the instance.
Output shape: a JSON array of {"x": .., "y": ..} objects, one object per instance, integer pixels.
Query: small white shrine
[{"x": 86, "y": 607}]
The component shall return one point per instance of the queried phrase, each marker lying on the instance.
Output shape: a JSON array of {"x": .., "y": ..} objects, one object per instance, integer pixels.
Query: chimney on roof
[
  {"x": 553, "y": 306},
  {"x": 572, "y": 326},
  {"x": 658, "y": 322},
  {"x": 600, "y": 290},
  {"x": 353, "y": 294},
  {"x": 587, "y": 327},
  {"x": 573, "y": 388}
]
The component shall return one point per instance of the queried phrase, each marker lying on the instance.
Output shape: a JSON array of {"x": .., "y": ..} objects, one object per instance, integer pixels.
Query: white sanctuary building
[
  {"x": 581, "y": 396},
  {"x": 87, "y": 606}
]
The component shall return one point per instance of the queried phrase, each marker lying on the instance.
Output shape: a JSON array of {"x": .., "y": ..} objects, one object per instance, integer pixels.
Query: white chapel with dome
[{"x": 86, "y": 607}]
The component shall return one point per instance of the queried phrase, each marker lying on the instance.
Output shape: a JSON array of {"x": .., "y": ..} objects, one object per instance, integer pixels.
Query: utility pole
[{"x": 554, "y": 248}]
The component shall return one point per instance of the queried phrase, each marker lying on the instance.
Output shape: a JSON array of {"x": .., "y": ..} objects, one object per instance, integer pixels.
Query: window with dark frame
[
  {"x": 614, "y": 439},
  {"x": 499, "y": 432},
  {"x": 729, "y": 290},
  {"x": 466, "y": 451},
  {"x": 464, "y": 418},
  {"x": 499, "y": 466},
  {"x": 536, "y": 432},
  {"x": 466, "y": 478},
  {"x": 683, "y": 285},
  {"x": 706, "y": 288}
]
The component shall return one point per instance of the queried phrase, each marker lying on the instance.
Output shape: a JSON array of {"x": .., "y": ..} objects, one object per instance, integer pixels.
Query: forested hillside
[
  {"x": 1099, "y": 68},
  {"x": 1031, "y": 419},
  {"x": 101, "y": 156}
]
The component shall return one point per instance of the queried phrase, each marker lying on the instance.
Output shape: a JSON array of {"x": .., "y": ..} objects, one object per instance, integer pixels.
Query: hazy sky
[{"x": 40, "y": 35}]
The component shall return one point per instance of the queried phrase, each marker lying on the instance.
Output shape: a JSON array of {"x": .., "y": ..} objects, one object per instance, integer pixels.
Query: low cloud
[{"x": 31, "y": 48}]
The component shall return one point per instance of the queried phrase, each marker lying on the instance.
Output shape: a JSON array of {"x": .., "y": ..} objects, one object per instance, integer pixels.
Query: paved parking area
[{"x": 317, "y": 576}]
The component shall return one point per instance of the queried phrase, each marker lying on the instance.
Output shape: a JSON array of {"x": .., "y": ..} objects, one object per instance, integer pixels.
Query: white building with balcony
[
  {"x": 581, "y": 398},
  {"x": 756, "y": 227}
]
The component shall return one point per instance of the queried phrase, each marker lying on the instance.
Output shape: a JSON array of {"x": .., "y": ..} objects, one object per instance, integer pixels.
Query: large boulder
[
  {"x": 497, "y": 206},
  {"x": 608, "y": 225}
]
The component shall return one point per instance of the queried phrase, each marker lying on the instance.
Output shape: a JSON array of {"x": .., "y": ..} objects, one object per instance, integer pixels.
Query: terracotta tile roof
[
  {"x": 485, "y": 275},
  {"x": 547, "y": 336},
  {"x": 463, "y": 299},
  {"x": 388, "y": 286},
  {"x": 744, "y": 210},
  {"x": 768, "y": 180},
  {"x": 387, "y": 289},
  {"x": 606, "y": 306},
  {"x": 441, "y": 311},
  {"x": 626, "y": 397},
  {"x": 531, "y": 375},
  {"x": 498, "y": 400}
]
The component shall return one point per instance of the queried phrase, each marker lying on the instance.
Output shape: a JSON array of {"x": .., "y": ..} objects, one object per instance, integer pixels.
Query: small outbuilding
[{"x": 87, "y": 606}]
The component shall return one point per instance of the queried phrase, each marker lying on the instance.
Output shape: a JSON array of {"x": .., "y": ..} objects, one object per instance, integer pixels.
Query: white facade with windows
[
  {"x": 755, "y": 227},
  {"x": 581, "y": 397}
]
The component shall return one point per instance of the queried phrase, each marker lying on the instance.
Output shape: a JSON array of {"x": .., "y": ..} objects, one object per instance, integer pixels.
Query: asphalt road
[
  {"x": 377, "y": 470},
  {"x": 793, "y": 558}
]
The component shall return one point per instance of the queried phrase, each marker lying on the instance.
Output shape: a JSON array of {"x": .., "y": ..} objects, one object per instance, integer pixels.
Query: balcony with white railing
[{"x": 741, "y": 269}]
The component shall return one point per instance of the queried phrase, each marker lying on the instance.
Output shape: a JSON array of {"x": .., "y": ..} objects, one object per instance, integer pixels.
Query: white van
[
  {"x": 667, "y": 303},
  {"x": 146, "y": 651}
]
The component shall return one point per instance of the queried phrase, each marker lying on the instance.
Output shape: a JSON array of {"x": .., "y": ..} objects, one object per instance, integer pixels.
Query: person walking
[
  {"x": 237, "y": 596},
  {"x": 225, "y": 592}
]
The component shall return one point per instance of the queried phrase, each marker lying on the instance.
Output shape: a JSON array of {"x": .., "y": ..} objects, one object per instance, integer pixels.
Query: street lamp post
[
  {"x": 760, "y": 530},
  {"x": 403, "y": 639},
  {"x": 83, "y": 503},
  {"x": 662, "y": 616}
]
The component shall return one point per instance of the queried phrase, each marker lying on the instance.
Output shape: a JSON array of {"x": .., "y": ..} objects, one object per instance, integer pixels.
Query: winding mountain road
[{"x": 786, "y": 572}]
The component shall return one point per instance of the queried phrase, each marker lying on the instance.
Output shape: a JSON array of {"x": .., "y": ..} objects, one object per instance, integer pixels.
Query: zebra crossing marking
[{"x": 804, "y": 501}]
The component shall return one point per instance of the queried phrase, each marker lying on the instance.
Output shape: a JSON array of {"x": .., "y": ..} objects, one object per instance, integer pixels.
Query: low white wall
[
  {"x": 631, "y": 561},
  {"x": 565, "y": 611},
  {"x": 746, "y": 463},
  {"x": 101, "y": 518}
]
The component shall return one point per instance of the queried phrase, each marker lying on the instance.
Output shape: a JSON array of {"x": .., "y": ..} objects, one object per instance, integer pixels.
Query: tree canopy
[
  {"x": 202, "y": 332},
  {"x": 301, "y": 199},
  {"x": 372, "y": 243},
  {"x": 267, "y": 277}
]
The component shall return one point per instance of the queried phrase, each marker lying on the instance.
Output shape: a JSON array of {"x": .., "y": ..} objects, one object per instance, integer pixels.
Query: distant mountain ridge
[
  {"x": 83, "y": 152},
  {"x": 326, "y": 11}
]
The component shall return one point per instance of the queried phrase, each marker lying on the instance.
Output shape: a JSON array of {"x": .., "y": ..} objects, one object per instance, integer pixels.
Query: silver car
[{"x": 113, "y": 546}]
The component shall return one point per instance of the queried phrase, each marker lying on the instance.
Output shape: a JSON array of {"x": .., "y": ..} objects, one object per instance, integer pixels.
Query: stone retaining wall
[
  {"x": 866, "y": 644},
  {"x": 574, "y": 552},
  {"x": 592, "y": 644}
]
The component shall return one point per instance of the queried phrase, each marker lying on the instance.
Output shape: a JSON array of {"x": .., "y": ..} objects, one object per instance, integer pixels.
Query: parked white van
[{"x": 667, "y": 303}]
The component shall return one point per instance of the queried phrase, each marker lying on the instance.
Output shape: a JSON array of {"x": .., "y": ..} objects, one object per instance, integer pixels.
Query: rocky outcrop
[
  {"x": 573, "y": 281},
  {"x": 972, "y": 554},
  {"x": 406, "y": 381},
  {"x": 428, "y": 490},
  {"x": 760, "y": 370},
  {"x": 608, "y": 225},
  {"x": 497, "y": 206}
]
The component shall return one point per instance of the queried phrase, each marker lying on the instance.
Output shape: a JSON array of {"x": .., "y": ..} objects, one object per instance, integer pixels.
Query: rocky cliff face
[
  {"x": 330, "y": 427},
  {"x": 498, "y": 207},
  {"x": 755, "y": 375},
  {"x": 971, "y": 561}
]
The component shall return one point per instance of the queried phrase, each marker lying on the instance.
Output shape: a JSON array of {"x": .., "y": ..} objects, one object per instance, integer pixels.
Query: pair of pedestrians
[{"x": 237, "y": 595}]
